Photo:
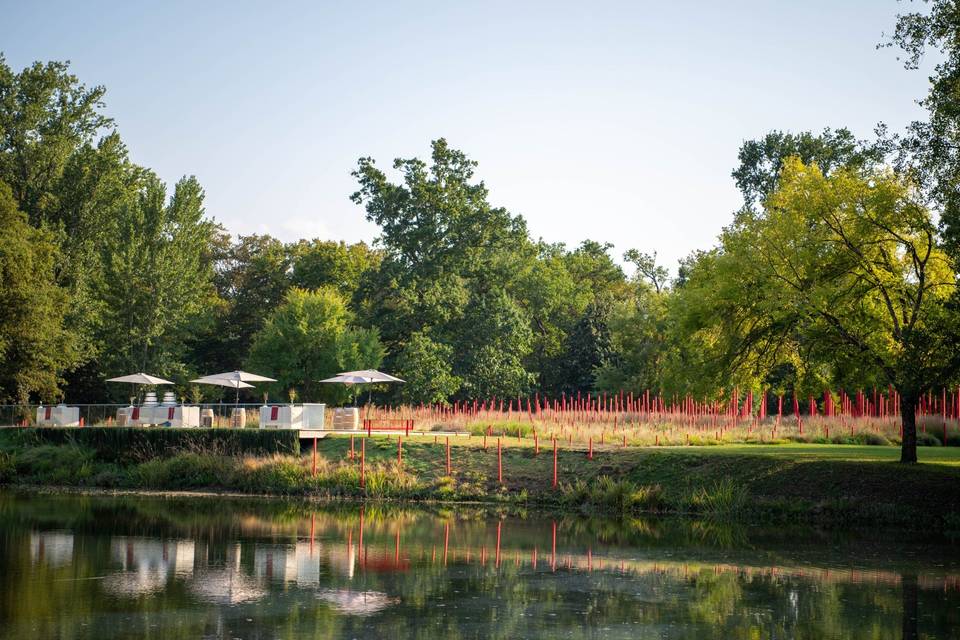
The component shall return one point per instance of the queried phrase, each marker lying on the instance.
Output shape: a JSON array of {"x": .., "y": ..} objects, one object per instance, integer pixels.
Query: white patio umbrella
[
  {"x": 364, "y": 376},
  {"x": 139, "y": 379},
  {"x": 233, "y": 379},
  {"x": 372, "y": 375}
]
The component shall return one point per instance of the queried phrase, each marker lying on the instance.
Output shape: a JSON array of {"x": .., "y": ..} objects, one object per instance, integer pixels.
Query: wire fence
[{"x": 93, "y": 415}]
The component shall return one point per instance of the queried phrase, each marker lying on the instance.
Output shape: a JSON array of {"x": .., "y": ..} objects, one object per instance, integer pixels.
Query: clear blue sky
[{"x": 617, "y": 121}]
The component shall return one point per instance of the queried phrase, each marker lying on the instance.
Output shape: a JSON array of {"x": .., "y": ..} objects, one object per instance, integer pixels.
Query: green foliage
[
  {"x": 838, "y": 273},
  {"x": 324, "y": 263},
  {"x": 8, "y": 467},
  {"x": 639, "y": 341},
  {"x": 311, "y": 337},
  {"x": 156, "y": 279},
  {"x": 605, "y": 494},
  {"x": 449, "y": 262},
  {"x": 726, "y": 498},
  {"x": 930, "y": 149},
  {"x": 186, "y": 470},
  {"x": 762, "y": 160},
  {"x": 57, "y": 465},
  {"x": 45, "y": 115},
  {"x": 35, "y": 347},
  {"x": 427, "y": 367}
]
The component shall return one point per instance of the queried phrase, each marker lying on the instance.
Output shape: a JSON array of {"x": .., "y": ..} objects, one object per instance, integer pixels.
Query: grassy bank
[{"x": 822, "y": 483}]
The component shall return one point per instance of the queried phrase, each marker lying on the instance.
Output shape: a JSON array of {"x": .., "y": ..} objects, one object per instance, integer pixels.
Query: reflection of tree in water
[
  {"x": 909, "y": 607},
  {"x": 256, "y": 573}
]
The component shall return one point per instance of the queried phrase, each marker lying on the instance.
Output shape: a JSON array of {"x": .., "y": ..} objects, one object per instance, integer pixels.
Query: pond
[{"x": 109, "y": 567}]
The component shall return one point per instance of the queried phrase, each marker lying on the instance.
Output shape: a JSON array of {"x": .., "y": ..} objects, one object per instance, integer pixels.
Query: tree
[
  {"x": 446, "y": 253},
  {"x": 648, "y": 269},
  {"x": 639, "y": 333},
  {"x": 586, "y": 348},
  {"x": 761, "y": 160},
  {"x": 930, "y": 149},
  {"x": 427, "y": 368},
  {"x": 845, "y": 268},
  {"x": 309, "y": 337},
  {"x": 45, "y": 115},
  {"x": 491, "y": 343},
  {"x": 35, "y": 348},
  {"x": 251, "y": 276},
  {"x": 156, "y": 281},
  {"x": 320, "y": 263}
]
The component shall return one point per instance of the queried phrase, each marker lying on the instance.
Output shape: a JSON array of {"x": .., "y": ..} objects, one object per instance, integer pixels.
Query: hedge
[{"x": 123, "y": 444}]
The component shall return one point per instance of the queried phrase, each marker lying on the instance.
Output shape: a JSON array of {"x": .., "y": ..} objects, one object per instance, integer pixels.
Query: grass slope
[{"x": 825, "y": 483}]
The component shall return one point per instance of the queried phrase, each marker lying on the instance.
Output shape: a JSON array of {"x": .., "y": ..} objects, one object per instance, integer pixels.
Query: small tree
[{"x": 309, "y": 337}]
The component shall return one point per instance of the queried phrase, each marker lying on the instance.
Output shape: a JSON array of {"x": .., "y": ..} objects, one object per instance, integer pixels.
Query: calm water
[{"x": 125, "y": 567}]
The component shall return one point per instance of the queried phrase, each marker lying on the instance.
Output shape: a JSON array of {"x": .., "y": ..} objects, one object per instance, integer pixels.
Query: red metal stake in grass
[
  {"x": 399, "y": 451},
  {"x": 449, "y": 468},
  {"x": 554, "y": 465},
  {"x": 499, "y": 462},
  {"x": 313, "y": 471},
  {"x": 352, "y": 450}
]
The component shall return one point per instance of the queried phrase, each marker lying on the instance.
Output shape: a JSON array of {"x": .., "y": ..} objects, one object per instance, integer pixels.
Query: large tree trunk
[{"x": 908, "y": 416}]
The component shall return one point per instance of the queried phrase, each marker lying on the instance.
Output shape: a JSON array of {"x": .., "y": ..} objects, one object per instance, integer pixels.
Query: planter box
[
  {"x": 58, "y": 416},
  {"x": 286, "y": 416}
]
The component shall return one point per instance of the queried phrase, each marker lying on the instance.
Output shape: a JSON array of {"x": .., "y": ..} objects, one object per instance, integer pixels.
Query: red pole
[
  {"x": 399, "y": 451},
  {"x": 554, "y": 471},
  {"x": 449, "y": 470},
  {"x": 590, "y": 450},
  {"x": 499, "y": 462},
  {"x": 352, "y": 451},
  {"x": 313, "y": 471}
]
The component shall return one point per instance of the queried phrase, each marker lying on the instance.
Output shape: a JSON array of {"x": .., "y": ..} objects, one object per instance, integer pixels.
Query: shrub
[
  {"x": 724, "y": 498},
  {"x": 67, "y": 465},
  {"x": 184, "y": 471},
  {"x": 277, "y": 474},
  {"x": 872, "y": 438},
  {"x": 615, "y": 496},
  {"x": 7, "y": 467},
  {"x": 927, "y": 440},
  {"x": 504, "y": 429},
  {"x": 124, "y": 444}
]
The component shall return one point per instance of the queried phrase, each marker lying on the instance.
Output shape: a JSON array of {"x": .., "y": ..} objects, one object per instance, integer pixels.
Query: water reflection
[{"x": 125, "y": 567}]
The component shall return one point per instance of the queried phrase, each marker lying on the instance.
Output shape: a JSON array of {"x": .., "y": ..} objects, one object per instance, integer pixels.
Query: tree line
[{"x": 839, "y": 270}]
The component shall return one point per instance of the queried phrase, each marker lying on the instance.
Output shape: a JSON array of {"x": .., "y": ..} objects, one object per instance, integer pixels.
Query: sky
[{"x": 614, "y": 121}]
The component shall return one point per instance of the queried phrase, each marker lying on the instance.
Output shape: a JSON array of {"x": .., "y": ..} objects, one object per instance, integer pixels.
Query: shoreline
[{"x": 825, "y": 485}]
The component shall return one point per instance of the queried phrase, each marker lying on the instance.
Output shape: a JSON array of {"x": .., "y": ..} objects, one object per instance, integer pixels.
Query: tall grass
[
  {"x": 725, "y": 498},
  {"x": 606, "y": 494}
]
